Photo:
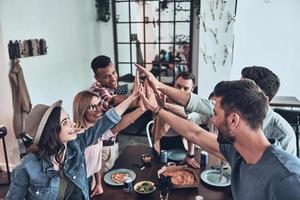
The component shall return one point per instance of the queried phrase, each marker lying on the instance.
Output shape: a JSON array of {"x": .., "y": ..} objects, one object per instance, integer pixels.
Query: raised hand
[
  {"x": 141, "y": 105},
  {"x": 153, "y": 82},
  {"x": 137, "y": 87},
  {"x": 104, "y": 94},
  {"x": 150, "y": 94},
  {"x": 161, "y": 99},
  {"x": 95, "y": 87},
  {"x": 150, "y": 101}
]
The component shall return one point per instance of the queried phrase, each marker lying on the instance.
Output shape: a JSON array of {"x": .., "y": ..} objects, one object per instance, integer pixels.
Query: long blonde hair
[{"x": 81, "y": 103}]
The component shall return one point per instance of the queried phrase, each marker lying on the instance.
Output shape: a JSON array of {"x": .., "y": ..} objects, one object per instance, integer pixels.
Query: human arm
[
  {"x": 129, "y": 118},
  {"x": 117, "y": 99},
  {"x": 189, "y": 160},
  {"x": 192, "y": 132},
  {"x": 176, "y": 109},
  {"x": 98, "y": 189}
]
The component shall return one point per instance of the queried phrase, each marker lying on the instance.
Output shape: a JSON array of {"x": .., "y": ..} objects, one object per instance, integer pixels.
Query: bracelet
[
  {"x": 190, "y": 156},
  {"x": 156, "y": 110}
]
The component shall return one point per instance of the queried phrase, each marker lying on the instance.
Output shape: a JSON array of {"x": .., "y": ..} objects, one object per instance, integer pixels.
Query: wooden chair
[
  {"x": 148, "y": 131},
  {"x": 3, "y": 133}
]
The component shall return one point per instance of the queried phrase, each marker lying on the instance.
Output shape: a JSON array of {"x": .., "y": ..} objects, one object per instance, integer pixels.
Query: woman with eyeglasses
[
  {"x": 86, "y": 111},
  {"x": 55, "y": 166}
]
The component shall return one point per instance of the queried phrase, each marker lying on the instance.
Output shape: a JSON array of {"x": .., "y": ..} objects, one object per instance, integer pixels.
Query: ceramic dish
[
  {"x": 211, "y": 177},
  {"x": 176, "y": 155},
  {"x": 108, "y": 176},
  {"x": 144, "y": 187}
]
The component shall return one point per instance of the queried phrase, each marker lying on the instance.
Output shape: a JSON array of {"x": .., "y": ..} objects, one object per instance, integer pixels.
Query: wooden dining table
[
  {"x": 285, "y": 101},
  {"x": 130, "y": 158}
]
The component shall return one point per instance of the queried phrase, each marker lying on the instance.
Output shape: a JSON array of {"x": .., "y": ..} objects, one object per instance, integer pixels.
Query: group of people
[{"x": 68, "y": 157}]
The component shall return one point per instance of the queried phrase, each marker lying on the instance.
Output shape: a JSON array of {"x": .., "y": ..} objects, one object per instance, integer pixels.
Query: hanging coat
[{"x": 20, "y": 97}]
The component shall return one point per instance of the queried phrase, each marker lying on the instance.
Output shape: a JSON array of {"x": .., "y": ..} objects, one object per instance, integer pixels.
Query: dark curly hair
[
  {"x": 186, "y": 76},
  {"x": 98, "y": 62},
  {"x": 264, "y": 78}
]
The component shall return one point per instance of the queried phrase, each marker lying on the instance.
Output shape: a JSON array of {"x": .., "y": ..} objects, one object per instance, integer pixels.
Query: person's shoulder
[
  {"x": 29, "y": 157},
  {"x": 289, "y": 162},
  {"x": 28, "y": 161},
  {"x": 279, "y": 123}
]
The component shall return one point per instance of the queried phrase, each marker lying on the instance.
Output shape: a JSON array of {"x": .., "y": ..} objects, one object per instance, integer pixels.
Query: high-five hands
[
  {"x": 152, "y": 81},
  {"x": 149, "y": 98},
  {"x": 137, "y": 87}
]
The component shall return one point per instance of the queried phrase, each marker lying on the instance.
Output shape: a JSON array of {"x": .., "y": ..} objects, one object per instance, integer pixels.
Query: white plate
[
  {"x": 108, "y": 180},
  {"x": 211, "y": 177}
]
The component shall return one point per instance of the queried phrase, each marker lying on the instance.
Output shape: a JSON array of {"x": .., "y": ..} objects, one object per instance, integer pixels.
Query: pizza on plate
[
  {"x": 119, "y": 177},
  {"x": 181, "y": 177}
]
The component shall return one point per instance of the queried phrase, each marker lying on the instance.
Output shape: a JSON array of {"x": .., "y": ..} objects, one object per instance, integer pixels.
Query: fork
[{"x": 221, "y": 170}]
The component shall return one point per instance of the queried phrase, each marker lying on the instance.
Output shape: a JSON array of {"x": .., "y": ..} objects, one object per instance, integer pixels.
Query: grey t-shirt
[{"x": 275, "y": 176}]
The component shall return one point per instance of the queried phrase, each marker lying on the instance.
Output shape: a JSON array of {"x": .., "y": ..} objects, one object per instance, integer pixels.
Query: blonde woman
[{"x": 86, "y": 111}]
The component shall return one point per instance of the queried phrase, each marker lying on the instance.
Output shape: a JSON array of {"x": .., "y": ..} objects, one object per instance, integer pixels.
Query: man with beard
[
  {"x": 260, "y": 170},
  {"x": 274, "y": 126}
]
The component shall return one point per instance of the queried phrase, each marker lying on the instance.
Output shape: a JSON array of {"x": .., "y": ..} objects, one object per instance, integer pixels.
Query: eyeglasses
[
  {"x": 94, "y": 107},
  {"x": 66, "y": 121}
]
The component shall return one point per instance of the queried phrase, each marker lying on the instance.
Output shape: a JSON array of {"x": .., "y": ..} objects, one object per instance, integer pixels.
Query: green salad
[{"x": 146, "y": 187}]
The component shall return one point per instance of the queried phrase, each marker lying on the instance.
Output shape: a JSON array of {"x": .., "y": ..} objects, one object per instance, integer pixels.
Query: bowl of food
[
  {"x": 144, "y": 187},
  {"x": 146, "y": 158}
]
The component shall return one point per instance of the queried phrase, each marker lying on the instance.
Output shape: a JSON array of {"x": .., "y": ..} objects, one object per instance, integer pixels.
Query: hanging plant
[{"x": 102, "y": 7}]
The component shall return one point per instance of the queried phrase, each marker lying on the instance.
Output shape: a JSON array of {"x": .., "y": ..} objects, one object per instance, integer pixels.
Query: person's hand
[
  {"x": 95, "y": 87},
  {"x": 105, "y": 95},
  {"x": 153, "y": 82},
  {"x": 97, "y": 190},
  {"x": 150, "y": 95},
  {"x": 191, "y": 162},
  {"x": 141, "y": 105},
  {"x": 104, "y": 106},
  {"x": 161, "y": 99},
  {"x": 149, "y": 101},
  {"x": 137, "y": 84}
]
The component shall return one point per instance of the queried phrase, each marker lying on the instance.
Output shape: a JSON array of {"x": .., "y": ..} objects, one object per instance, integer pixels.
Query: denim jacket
[{"x": 36, "y": 178}]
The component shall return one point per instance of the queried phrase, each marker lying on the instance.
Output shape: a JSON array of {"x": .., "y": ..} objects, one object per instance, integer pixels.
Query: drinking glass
[{"x": 164, "y": 194}]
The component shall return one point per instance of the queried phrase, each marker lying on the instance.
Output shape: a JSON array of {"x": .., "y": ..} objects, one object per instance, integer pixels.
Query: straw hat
[{"x": 37, "y": 118}]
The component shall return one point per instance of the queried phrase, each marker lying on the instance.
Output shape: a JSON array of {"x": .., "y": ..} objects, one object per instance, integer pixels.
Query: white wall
[
  {"x": 208, "y": 74},
  {"x": 267, "y": 34},
  {"x": 70, "y": 29},
  {"x": 6, "y": 112}
]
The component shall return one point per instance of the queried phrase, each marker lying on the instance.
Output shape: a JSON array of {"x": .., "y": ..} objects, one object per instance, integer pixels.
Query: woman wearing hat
[{"x": 55, "y": 167}]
